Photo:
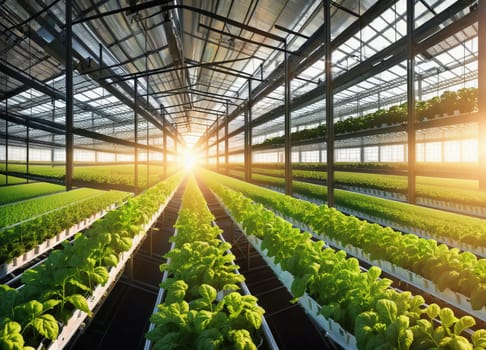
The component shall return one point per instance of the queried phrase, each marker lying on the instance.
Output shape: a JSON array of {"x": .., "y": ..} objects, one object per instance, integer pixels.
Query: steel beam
[
  {"x": 226, "y": 140},
  {"x": 390, "y": 56},
  {"x": 237, "y": 37},
  {"x": 56, "y": 47},
  {"x": 135, "y": 131},
  {"x": 411, "y": 129},
  {"x": 329, "y": 106},
  {"x": 249, "y": 133},
  {"x": 311, "y": 51},
  {"x": 60, "y": 129},
  {"x": 149, "y": 4},
  {"x": 6, "y": 142},
  {"x": 27, "y": 151},
  {"x": 246, "y": 143},
  {"x": 31, "y": 82},
  {"x": 482, "y": 94},
  {"x": 217, "y": 145},
  {"x": 287, "y": 126},
  {"x": 207, "y": 147},
  {"x": 164, "y": 143},
  {"x": 69, "y": 96}
]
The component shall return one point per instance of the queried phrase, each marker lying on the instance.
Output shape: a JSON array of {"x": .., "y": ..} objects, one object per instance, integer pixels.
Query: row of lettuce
[
  {"x": 361, "y": 302},
  {"x": 449, "y": 190},
  {"x": 113, "y": 174},
  {"x": 52, "y": 291},
  {"x": 437, "y": 223},
  {"x": 202, "y": 308},
  {"x": 17, "y": 212},
  {"x": 10, "y": 180},
  {"x": 49, "y": 217},
  {"x": 392, "y": 166},
  {"x": 461, "y": 272},
  {"x": 10, "y": 194},
  {"x": 464, "y": 100}
]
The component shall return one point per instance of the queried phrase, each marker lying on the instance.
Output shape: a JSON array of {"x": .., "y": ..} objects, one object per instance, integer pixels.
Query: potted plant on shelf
[
  {"x": 434, "y": 109},
  {"x": 467, "y": 100},
  {"x": 422, "y": 110},
  {"x": 448, "y": 103}
]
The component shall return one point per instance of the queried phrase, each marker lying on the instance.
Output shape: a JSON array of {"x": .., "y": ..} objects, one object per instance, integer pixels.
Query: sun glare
[{"x": 189, "y": 160}]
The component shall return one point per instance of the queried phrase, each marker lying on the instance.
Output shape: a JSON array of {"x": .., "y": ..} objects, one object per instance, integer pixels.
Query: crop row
[
  {"x": 18, "y": 239},
  {"x": 113, "y": 174},
  {"x": 460, "y": 191},
  {"x": 202, "y": 308},
  {"x": 53, "y": 290},
  {"x": 436, "y": 223},
  {"x": 465, "y": 100},
  {"x": 26, "y": 191},
  {"x": 15, "y": 212},
  {"x": 461, "y": 272},
  {"x": 444, "y": 167},
  {"x": 11, "y": 180},
  {"x": 361, "y": 302}
]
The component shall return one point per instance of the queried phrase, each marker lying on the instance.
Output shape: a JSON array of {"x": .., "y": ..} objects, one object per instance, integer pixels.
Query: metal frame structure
[{"x": 279, "y": 69}]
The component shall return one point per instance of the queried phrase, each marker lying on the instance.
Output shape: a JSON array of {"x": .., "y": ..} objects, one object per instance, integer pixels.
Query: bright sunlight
[{"x": 189, "y": 159}]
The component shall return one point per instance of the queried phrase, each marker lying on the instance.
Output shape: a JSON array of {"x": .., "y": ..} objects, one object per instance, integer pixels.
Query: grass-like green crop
[
  {"x": 438, "y": 223},
  {"x": 26, "y": 191},
  {"x": 15, "y": 212}
]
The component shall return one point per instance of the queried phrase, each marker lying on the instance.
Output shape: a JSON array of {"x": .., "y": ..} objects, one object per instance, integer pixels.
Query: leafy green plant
[
  {"x": 362, "y": 302},
  {"x": 200, "y": 266},
  {"x": 203, "y": 263},
  {"x": 449, "y": 268},
  {"x": 466, "y": 100},
  {"x": 206, "y": 323},
  {"x": 21, "y": 238},
  {"x": 12, "y": 194},
  {"x": 62, "y": 284}
]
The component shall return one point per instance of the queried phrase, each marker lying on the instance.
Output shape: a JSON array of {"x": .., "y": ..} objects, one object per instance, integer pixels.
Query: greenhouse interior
[{"x": 257, "y": 174}]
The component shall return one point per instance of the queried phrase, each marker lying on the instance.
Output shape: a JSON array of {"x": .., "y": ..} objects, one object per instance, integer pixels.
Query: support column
[
  {"x": 248, "y": 135},
  {"x": 53, "y": 138},
  {"x": 69, "y": 97},
  {"x": 164, "y": 143},
  {"x": 250, "y": 131},
  {"x": 287, "y": 127},
  {"x": 362, "y": 151},
  {"x": 207, "y": 146},
  {"x": 482, "y": 94},
  {"x": 226, "y": 141},
  {"x": 147, "y": 155},
  {"x": 329, "y": 107},
  {"x": 6, "y": 142},
  {"x": 419, "y": 87},
  {"x": 135, "y": 130},
  {"x": 245, "y": 146},
  {"x": 217, "y": 143},
  {"x": 176, "y": 140},
  {"x": 411, "y": 128},
  {"x": 27, "y": 153}
]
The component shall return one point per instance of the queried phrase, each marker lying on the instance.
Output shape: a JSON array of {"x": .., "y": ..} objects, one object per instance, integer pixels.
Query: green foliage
[
  {"x": 60, "y": 212},
  {"x": 464, "y": 100},
  {"x": 362, "y": 302},
  {"x": 436, "y": 223},
  {"x": 15, "y": 212},
  {"x": 26, "y": 191},
  {"x": 200, "y": 265},
  {"x": 116, "y": 174},
  {"x": 449, "y": 268},
  {"x": 62, "y": 284},
  {"x": 206, "y": 323}
]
